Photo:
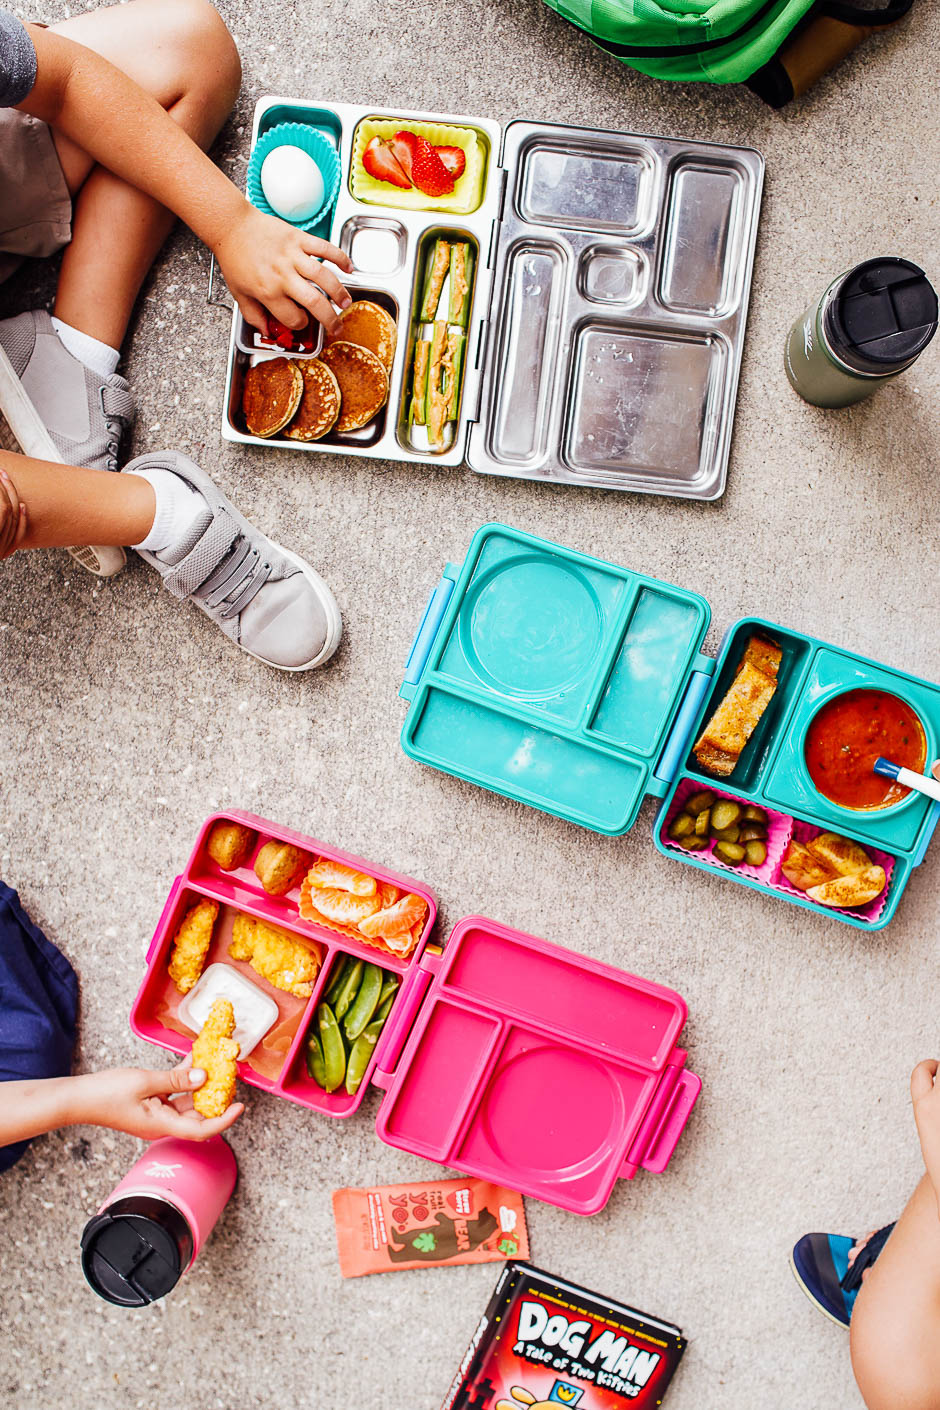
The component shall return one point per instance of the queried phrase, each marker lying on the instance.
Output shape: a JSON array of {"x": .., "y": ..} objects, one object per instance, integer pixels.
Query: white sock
[
  {"x": 178, "y": 510},
  {"x": 94, "y": 354}
]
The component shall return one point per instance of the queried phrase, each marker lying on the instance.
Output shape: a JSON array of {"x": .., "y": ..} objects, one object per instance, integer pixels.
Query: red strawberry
[
  {"x": 454, "y": 159},
  {"x": 403, "y": 147},
  {"x": 381, "y": 162},
  {"x": 428, "y": 172}
]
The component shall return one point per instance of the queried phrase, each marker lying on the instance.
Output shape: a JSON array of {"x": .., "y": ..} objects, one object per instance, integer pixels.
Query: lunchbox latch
[
  {"x": 676, "y": 745},
  {"x": 427, "y": 631}
]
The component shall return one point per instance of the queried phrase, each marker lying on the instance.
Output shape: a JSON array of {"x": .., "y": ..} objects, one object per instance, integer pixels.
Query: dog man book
[{"x": 542, "y": 1343}]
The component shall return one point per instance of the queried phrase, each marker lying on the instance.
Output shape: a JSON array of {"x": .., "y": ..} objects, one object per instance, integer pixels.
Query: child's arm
[
  {"x": 267, "y": 263},
  {"x": 925, "y": 1095},
  {"x": 126, "y": 1099}
]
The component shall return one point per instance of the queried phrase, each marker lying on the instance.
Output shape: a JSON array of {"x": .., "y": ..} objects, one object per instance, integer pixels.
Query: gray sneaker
[
  {"x": 263, "y": 597},
  {"x": 55, "y": 408}
]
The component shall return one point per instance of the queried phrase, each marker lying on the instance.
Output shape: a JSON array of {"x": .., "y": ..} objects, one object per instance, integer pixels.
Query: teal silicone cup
[{"x": 310, "y": 140}]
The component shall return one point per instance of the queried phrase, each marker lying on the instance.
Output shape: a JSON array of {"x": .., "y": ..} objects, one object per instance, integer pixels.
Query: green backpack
[{"x": 777, "y": 47}]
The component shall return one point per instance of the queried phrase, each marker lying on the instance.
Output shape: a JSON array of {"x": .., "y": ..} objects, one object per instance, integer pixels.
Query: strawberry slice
[
  {"x": 454, "y": 159},
  {"x": 381, "y": 162},
  {"x": 403, "y": 147},
  {"x": 428, "y": 172}
]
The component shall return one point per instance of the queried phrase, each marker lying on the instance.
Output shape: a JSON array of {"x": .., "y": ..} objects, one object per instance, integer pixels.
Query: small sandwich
[
  {"x": 722, "y": 742},
  {"x": 369, "y": 326},
  {"x": 271, "y": 395},
  {"x": 320, "y": 404},
  {"x": 363, "y": 383},
  {"x": 216, "y": 1052}
]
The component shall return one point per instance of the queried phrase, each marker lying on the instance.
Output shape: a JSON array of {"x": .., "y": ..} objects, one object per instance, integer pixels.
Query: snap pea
[
  {"x": 316, "y": 1067},
  {"x": 365, "y": 1003},
  {"x": 385, "y": 1007},
  {"x": 360, "y": 1055},
  {"x": 336, "y": 983},
  {"x": 348, "y": 989},
  {"x": 389, "y": 986},
  {"x": 334, "y": 1049}
]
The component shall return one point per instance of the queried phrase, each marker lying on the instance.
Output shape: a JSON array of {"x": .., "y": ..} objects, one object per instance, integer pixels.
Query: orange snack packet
[{"x": 431, "y": 1225}]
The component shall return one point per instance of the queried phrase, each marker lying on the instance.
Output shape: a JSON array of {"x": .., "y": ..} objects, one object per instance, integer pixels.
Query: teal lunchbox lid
[{"x": 552, "y": 677}]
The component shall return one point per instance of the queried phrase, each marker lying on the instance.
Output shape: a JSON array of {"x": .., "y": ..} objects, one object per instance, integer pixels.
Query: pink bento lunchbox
[{"x": 503, "y": 1056}]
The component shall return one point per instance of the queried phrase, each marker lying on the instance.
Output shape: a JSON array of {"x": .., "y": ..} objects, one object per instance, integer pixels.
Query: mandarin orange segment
[
  {"x": 342, "y": 906},
  {"x": 388, "y": 894},
  {"x": 335, "y": 876},
  {"x": 396, "y": 921}
]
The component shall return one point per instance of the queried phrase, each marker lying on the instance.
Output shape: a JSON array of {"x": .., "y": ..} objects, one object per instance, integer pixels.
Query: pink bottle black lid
[
  {"x": 135, "y": 1251},
  {"x": 882, "y": 316}
]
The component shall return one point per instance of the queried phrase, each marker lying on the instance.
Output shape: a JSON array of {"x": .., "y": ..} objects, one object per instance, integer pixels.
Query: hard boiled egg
[{"x": 292, "y": 183}]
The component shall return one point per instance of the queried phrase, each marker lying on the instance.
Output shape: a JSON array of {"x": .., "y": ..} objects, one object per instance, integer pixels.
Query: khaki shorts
[{"x": 35, "y": 205}]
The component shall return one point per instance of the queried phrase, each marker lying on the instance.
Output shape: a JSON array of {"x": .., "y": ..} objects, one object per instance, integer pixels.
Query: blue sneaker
[{"x": 820, "y": 1264}]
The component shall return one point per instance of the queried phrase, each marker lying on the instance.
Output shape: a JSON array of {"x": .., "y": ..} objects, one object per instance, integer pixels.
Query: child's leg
[
  {"x": 69, "y": 504},
  {"x": 895, "y": 1328},
  {"x": 180, "y": 52}
]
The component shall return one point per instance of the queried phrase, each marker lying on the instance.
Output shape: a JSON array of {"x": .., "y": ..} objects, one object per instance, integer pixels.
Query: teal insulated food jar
[{"x": 870, "y": 324}]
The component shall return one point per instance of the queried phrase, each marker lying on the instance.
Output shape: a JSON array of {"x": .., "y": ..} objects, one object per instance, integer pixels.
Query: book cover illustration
[{"x": 543, "y": 1342}]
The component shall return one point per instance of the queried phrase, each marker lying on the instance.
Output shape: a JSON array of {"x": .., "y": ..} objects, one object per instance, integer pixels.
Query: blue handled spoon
[{"x": 910, "y": 779}]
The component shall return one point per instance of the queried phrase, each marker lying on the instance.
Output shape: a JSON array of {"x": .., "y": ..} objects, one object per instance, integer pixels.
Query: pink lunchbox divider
[
  {"x": 779, "y": 832},
  {"x": 804, "y": 832}
]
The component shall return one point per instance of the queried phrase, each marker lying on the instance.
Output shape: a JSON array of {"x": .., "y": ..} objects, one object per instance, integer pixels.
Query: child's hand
[
  {"x": 925, "y": 1095},
  {"x": 271, "y": 267},
  {"x": 137, "y": 1101},
  {"x": 12, "y": 517}
]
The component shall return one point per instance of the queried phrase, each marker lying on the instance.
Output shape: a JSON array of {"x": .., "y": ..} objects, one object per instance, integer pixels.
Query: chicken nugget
[
  {"x": 229, "y": 843},
  {"x": 276, "y": 955},
  {"x": 191, "y": 944},
  {"x": 278, "y": 866},
  {"x": 216, "y": 1052}
]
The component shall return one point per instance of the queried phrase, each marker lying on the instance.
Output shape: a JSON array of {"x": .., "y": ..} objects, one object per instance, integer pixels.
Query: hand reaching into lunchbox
[{"x": 271, "y": 267}]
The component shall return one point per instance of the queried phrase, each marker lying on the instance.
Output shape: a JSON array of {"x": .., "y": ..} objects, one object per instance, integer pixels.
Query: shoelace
[{"x": 237, "y": 580}]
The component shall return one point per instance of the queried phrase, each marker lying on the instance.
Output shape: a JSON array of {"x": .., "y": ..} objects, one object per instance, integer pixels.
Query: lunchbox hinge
[
  {"x": 427, "y": 631},
  {"x": 678, "y": 742},
  {"x": 402, "y": 1017},
  {"x": 933, "y": 817}
]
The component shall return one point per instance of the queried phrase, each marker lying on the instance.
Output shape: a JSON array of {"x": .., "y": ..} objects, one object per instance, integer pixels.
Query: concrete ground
[{"x": 126, "y": 719}]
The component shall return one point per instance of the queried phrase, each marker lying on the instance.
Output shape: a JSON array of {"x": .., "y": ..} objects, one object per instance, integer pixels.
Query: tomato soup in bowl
[{"x": 848, "y": 734}]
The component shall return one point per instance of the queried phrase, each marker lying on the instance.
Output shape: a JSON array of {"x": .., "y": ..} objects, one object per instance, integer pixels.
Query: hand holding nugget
[
  {"x": 271, "y": 267},
  {"x": 216, "y": 1052},
  {"x": 136, "y": 1100}
]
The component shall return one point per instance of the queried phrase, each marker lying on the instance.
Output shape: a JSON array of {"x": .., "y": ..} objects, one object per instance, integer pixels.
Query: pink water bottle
[{"x": 153, "y": 1224}]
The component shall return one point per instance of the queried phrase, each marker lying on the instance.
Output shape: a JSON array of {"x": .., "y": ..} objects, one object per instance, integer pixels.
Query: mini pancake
[
  {"x": 363, "y": 383},
  {"x": 371, "y": 327},
  {"x": 319, "y": 405},
  {"x": 271, "y": 395}
]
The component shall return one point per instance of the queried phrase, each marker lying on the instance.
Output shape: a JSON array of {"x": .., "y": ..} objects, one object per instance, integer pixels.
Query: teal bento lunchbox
[{"x": 578, "y": 687}]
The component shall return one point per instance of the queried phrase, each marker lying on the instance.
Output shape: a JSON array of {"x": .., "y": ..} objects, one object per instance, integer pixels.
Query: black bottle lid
[
  {"x": 136, "y": 1250},
  {"x": 882, "y": 316}
]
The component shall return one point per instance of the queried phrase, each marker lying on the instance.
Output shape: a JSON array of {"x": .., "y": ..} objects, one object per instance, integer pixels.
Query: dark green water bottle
[{"x": 870, "y": 324}]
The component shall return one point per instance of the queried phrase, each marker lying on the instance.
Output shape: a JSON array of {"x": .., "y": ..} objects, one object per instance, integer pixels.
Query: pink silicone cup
[
  {"x": 805, "y": 832},
  {"x": 779, "y": 832}
]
